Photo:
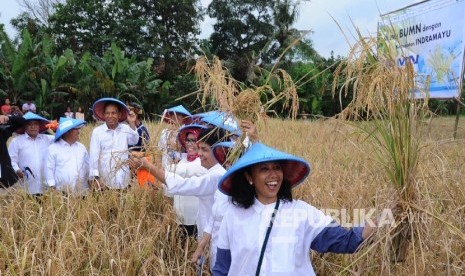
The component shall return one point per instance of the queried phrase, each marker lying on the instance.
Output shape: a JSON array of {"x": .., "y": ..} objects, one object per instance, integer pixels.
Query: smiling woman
[
  {"x": 267, "y": 179},
  {"x": 266, "y": 230}
]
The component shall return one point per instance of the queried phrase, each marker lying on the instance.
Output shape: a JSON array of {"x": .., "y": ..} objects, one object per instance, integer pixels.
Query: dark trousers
[{"x": 187, "y": 231}]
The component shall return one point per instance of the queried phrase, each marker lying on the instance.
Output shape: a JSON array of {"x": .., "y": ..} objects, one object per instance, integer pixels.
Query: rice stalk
[
  {"x": 216, "y": 84},
  {"x": 383, "y": 94},
  {"x": 218, "y": 90}
]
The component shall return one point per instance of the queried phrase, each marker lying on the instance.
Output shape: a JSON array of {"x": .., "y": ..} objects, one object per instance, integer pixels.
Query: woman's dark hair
[
  {"x": 211, "y": 136},
  {"x": 136, "y": 108},
  {"x": 243, "y": 194}
]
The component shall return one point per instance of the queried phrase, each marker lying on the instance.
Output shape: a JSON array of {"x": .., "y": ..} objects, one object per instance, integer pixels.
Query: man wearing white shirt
[
  {"x": 68, "y": 172},
  {"x": 28, "y": 152},
  {"x": 108, "y": 151}
]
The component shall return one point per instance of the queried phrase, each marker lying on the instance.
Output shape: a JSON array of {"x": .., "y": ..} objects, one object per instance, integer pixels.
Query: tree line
[{"x": 69, "y": 53}]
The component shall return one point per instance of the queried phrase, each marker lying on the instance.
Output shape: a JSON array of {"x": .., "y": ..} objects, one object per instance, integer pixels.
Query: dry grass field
[{"x": 134, "y": 233}]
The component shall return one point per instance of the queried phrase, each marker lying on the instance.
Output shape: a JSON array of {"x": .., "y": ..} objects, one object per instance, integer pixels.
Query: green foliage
[
  {"x": 242, "y": 30},
  {"x": 145, "y": 29},
  {"x": 115, "y": 75},
  {"x": 309, "y": 88},
  {"x": 55, "y": 82},
  {"x": 249, "y": 32},
  {"x": 7, "y": 51},
  {"x": 78, "y": 56}
]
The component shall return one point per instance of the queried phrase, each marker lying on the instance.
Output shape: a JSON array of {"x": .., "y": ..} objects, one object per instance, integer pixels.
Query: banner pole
[{"x": 457, "y": 116}]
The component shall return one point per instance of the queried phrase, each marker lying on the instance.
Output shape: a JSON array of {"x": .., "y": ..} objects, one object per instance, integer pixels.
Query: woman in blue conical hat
[
  {"x": 202, "y": 186},
  {"x": 187, "y": 206},
  {"x": 266, "y": 230},
  {"x": 221, "y": 201}
]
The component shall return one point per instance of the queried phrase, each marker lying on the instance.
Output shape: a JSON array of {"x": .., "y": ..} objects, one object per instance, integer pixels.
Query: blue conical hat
[
  {"x": 295, "y": 169},
  {"x": 223, "y": 120},
  {"x": 99, "y": 105},
  {"x": 197, "y": 118},
  {"x": 30, "y": 116},
  {"x": 67, "y": 124},
  {"x": 220, "y": 151},
  {"x": 179, "y": 109},
  {"x": 183, "y": 131}
]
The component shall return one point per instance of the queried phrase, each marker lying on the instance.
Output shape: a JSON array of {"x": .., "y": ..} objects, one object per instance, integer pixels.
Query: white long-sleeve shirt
[
  {"x": 287, "y": 252},
  {"x": 68, "y": 172},
  {"x": 108, "y": 154},
  {"x": 203, "y": 187},
  {"x": 187, "y": 207},
  {"x": 28, "y": 152},
  {"x": 220, "y": 206}
]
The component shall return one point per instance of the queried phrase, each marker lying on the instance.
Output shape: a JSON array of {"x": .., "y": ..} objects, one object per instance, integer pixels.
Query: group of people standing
[
  {"x": 28, "y": 106},
  {"x": 38, "y": 160},
  {"x": 244, "y": 212},
  {"x": 240, "y": 203},
  {"x": 79, "y": 114}
]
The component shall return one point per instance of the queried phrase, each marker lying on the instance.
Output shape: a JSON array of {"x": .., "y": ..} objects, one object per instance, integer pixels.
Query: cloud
[{"x": 321, "y": 16}]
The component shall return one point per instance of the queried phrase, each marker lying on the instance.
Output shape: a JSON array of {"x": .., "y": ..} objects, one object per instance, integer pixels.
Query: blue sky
[{"x": 315, "y": 15}]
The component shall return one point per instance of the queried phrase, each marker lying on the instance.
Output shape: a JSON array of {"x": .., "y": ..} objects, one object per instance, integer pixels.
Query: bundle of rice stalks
[
  {"x": 217, "y": 86},
  {"x": 247, "y": 105},
  {"x": 219, "y": 90},
  {"x": 384, "y": 94}
]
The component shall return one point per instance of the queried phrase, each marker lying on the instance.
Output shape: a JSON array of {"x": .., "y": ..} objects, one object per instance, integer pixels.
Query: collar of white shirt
[
  {"x": 39, "y": 136},
  {"x": 259, "y": 207},
  {"x": 107, "y": 129},
  {"x": 63, "y": 142}
]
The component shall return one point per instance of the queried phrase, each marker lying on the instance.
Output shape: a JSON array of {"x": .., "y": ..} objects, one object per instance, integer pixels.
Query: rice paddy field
[{"x": 135, "y": 233}]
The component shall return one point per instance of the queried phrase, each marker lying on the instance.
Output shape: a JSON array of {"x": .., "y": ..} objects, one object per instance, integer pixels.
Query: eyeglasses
[{"x": 191, "y": 140}]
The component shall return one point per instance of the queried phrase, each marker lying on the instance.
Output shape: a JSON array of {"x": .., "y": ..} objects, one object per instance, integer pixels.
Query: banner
[{"x": 430, "y": 34}]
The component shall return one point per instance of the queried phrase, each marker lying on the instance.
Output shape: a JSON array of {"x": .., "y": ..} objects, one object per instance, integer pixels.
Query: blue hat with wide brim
[
  {"x": 295, "y": 169},
  {"x": 179, "y": 109},
  {"x": 197, "y": 118},
  {"x": 31, "y": 116},
  {"x": 221, "y": 150},
  {"x": 223, "y": 120},
  {"x": 98, "y": 109},
  {"x": 183, "y": 131},
  {"x": 67, "y": 124}
]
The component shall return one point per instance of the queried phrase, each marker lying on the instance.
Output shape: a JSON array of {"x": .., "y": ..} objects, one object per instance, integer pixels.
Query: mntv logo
[{"x": 413, "y": 59}]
